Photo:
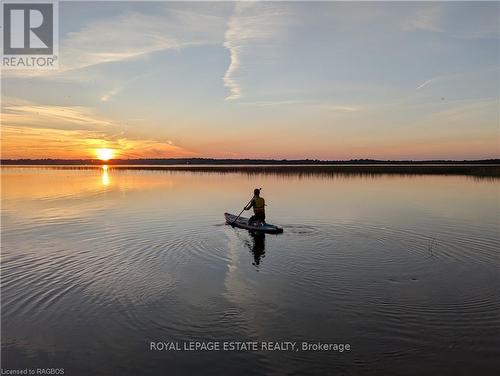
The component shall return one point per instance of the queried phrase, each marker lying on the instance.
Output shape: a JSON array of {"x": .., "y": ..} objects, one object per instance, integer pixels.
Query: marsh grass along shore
[
  {"x": 472, "y": 170},
  {"x": 486, "y": 169}
]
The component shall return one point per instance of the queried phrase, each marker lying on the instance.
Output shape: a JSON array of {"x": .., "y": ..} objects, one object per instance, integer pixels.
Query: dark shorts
[{"x": 258, "y": 217}]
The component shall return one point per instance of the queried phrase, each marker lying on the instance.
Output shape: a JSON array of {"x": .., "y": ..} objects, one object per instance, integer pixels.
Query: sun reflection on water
[{"x": 105, "y": 176}]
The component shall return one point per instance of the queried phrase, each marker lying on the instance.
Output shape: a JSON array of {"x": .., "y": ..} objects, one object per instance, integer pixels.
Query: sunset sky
[{"x": 269, "y": 80}]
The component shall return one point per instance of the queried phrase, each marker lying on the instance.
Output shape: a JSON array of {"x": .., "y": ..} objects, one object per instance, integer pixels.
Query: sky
[{"x": 285, "y": 80}]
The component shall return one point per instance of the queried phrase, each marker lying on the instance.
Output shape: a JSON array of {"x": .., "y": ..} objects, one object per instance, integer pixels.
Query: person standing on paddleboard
[{"x": 258, "y": 204}]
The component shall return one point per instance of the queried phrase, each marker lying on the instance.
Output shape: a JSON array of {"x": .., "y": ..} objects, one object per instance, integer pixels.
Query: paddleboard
[{"x": 242, "y": 222}]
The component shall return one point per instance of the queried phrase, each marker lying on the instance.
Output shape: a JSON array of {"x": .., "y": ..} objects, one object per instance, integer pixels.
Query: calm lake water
[{"x": 97, "y": 263}]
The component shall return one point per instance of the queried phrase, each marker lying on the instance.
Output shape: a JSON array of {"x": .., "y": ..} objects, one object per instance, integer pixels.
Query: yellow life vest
[{"x": 259, "y": 204}]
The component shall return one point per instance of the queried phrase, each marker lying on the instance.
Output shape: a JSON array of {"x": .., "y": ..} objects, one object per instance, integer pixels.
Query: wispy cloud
[
  {"x": 128, "y": 36},
  {"x": 57, "y": 117},
  {"x": 238, "y": 30},
  {"x": 335, "y": 108},
  {"x": 132, "y": 35},
  {"x": 45, "y": 131},
  {"x": 467, "y": 21},
  {"x": 229, "y": 80},
  {"x": 272, "y": 103},
  {"x": 111, "y": 93},
  {"x": 252, "y": 23},
  {"x": 454, "y": 76},
  {"x": 427, "y": 18},
  {"x": 107, "y": 96},
  {"x": 425, "y": 83},
  {"x": 304, "y": 104},
  {"x": 464, "y": 110},
  {"x": 28, "y": 142}
]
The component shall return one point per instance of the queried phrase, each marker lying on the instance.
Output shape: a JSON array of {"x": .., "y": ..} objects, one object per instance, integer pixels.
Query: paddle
[{"x": 233, "y": 222}]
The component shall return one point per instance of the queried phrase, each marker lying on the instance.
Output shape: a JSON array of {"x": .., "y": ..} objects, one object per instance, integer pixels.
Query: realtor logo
[
  {"x": 29, "y": 34},
  {"x": 29, "y": 29}
]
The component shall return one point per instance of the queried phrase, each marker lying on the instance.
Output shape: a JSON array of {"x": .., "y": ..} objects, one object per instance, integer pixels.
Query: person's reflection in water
[{"x": 258, "y": 247}]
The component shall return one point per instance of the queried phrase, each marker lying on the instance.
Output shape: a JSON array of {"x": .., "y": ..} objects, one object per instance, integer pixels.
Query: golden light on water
[
  {"x": 105, "y": 175},
  {"x": 104, "y": 154}
]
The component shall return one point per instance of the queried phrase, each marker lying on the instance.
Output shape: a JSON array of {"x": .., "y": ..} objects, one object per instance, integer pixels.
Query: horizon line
[{"x": 206, "y": 159}]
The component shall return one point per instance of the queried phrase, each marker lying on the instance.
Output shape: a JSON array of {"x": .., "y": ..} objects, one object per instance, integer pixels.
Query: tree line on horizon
[{"x": 227, "y": 161}]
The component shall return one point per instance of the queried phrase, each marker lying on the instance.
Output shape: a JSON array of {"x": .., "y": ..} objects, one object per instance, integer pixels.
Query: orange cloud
[
  {"x": 24, "y": 142},
  {"x": 42, "y": 131}
]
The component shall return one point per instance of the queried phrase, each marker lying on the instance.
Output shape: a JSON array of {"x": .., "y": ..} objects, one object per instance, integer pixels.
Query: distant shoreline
[
  {"x": 216, "y": 162},
  {"x": 480, "y": 169}
]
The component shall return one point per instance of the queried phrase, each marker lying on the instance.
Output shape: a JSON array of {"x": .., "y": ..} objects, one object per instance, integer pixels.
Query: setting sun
[{"x": 104, "y": 154}]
